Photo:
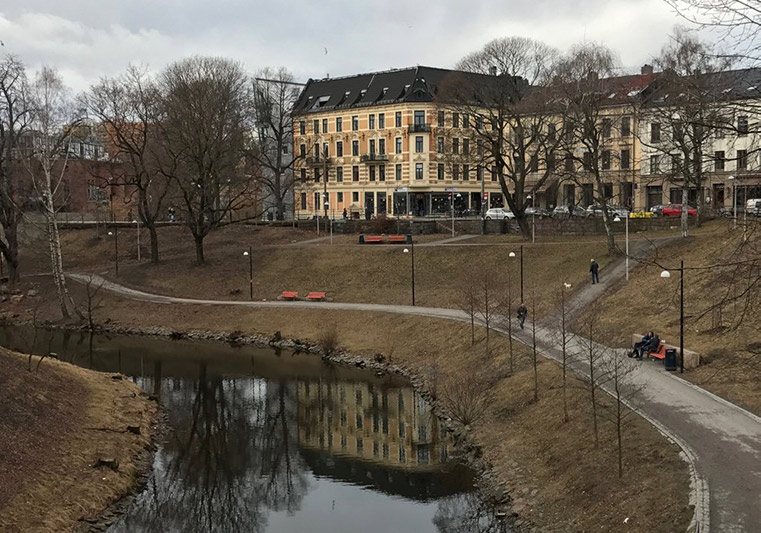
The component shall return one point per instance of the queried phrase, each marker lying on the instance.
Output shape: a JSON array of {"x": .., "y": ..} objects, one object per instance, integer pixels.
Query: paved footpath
[{"x": 720, "y": 441}]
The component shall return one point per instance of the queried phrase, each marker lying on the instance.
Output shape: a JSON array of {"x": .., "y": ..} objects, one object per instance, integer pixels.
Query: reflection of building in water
[{"x": 391, "y": 425}]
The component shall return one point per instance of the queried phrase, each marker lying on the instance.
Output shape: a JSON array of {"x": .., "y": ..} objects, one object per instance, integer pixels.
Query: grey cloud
[{"x": 87, "y": 39}]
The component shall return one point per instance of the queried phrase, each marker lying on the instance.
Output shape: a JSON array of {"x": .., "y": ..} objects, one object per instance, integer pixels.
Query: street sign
[
  {"x": 400, "y": 189},
  {"x": 450, "y": 189}
]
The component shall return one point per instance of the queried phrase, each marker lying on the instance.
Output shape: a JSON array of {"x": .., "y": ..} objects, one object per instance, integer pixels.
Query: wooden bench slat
[
  {"x": 316, "y": 295},
  {"x": 289, "y": 295}
]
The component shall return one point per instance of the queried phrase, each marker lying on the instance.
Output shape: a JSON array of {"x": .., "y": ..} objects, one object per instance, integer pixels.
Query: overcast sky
[{"x": 86, "y": 39}]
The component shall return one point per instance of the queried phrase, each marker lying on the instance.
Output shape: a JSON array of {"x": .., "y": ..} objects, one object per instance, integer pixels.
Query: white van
[{"x": 753, "y": 206}]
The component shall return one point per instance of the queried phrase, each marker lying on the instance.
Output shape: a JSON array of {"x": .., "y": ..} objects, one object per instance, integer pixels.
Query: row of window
[
  {"x": 371, "y": 122},
  {"x": 741, "y": 130},
  {"x": 378, "y": 172},
  {"x": 719, "y": 162}
]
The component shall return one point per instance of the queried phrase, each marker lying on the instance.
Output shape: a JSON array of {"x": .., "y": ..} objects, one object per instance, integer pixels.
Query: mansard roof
[{"x": 414, "y": 84}]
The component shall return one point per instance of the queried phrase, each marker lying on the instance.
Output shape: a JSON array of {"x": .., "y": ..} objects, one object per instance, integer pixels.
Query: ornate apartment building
[
  {"x": 379, "y": 139},
  {"x": 388, "y": 143}
]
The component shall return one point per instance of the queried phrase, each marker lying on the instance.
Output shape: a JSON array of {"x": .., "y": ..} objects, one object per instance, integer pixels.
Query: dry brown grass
[
  {"x": 349, "y": 272},
  {"x": 55, "y": 424},
  {"x": 527, "y": 442},
  {"x": 731, "y": 370}
]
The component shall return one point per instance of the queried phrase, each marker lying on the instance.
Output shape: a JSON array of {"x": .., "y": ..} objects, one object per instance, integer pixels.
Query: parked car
[
  {"x": 538, "y": 212},
  {"x": 498, "y": 213},
  {"x": 675, "y": 210},
  {"x": 657, "y": 210},
  {"x": 561, "y": 211},
  {"x": 753, "y": 206},
  {"x": 613, "y": 211}
]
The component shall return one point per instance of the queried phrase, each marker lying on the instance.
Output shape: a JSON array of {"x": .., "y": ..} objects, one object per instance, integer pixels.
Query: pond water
[{"x": 263, "y": 440}]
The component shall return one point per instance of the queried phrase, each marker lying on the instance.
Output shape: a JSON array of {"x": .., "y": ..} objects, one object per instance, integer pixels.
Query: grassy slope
[
  {"x": 731, "y": 368},
  {"x": 49, "y": 438}
]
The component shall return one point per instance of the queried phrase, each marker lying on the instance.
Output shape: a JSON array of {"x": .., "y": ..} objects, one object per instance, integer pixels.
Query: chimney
[
  {"x": 646, "y": 69},
  {"x": 493, "y": 70},
  {"x": 592, "y": 75}
]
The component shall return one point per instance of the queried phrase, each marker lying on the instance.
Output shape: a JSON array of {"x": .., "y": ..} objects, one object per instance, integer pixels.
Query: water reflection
[{"x": 264, "y": 441}]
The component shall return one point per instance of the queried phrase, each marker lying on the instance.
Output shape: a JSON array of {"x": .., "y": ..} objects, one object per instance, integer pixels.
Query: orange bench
[
  {"x": 660, "y": 354},
  {"x": 316, "y": 296},
  {"x": 373, "y": 239},
  {"x": 289, "y": 295},
  {"x": 397, "y": 239}
]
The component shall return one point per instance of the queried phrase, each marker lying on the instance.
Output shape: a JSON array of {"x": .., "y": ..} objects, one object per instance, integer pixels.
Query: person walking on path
[
  {"x": 345, "y": 214},
  {"x": 522, "y": 314},
  {"x": 594, "y": 268}
]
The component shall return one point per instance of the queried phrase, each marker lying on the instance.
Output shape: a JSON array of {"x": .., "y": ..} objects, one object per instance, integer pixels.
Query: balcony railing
[
  {"x": 372, "y": 158},
  {"x": 420, "y": 128}
]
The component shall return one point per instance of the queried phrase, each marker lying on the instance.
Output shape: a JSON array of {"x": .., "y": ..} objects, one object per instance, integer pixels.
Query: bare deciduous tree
[
  {"x": 684, "y": 110},
  {"x": 275, "y": 94},
  {"x": 618, "y": 371},
  {"x": 54, "y": 121},
  {"x": 14, "y": 119},
  {"x": 512, "y": 130},
  {"x": 582, "y": 90},
  {"x": 595, "y": 377},
  {"x": 468, "y": 302},
  {"x": 130, "y": 107},
  {"x": 534, "y": 356},
  {"x": 206, "y": 131},
  {"x": 465, "y": 397}
]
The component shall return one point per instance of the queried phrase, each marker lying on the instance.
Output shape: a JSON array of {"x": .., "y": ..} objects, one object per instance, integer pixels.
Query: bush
[
  {"x": 382, "y": 224},
  {"x": 329, "y": 340}
]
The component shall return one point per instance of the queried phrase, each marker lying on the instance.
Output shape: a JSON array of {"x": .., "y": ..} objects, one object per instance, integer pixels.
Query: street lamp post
[
  {"x": 667, "y": 274},
  {"x": 512, "y": 254},
  {"x": 533, "y": 217},
  {"x": 250, "y": 254},
  {"x": 734, "y": 201},
  {"x": 115, "y": 233},
  {"x": 412, "y": 264},
  {"x": 618, "y": 219}
]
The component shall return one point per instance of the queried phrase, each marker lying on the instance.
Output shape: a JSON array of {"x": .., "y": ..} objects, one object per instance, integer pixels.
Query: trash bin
[{"x": 669, "y": 361}]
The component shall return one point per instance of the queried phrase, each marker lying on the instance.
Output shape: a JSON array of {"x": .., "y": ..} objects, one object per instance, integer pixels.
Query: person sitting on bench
[
  {"x": 639, "y": 345},
  {"x": 651, "y": 346}
]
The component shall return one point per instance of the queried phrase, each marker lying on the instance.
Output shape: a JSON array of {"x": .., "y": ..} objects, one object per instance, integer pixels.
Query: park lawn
[
  {"x": 730, "y": 348},
  {"x": 559, "y": 480},
  {"x": 55, "y": 424},
  {"x": 350, "y": 273}
]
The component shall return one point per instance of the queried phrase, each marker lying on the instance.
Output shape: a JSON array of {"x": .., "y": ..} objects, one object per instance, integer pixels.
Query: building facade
[
  {"x": 383, "y": 144},
  {"x": 379, "y": 140}
]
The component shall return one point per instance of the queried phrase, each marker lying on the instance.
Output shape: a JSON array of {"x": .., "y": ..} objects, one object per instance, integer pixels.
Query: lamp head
[
  {"x": 511, "y": 254},
  {"x": 245, "y": 253},
  {"x": 665, "y": 274},
  {"x": 406, "y": 250},
  {"x": 110, "y": 232}
]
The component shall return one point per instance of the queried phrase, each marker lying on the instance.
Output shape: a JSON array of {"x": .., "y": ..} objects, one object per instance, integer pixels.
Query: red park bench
[
  {"x": 289, "y": 295},
  {"x": 660, "y": 353},
  {"x": 316, "y": 296},
  {"x": 373, "y": 239},
  {"x": 397, "y": 239}
]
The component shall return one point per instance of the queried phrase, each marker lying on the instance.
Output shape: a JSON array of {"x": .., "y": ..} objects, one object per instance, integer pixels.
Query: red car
[{"x": 675, "y": 210}]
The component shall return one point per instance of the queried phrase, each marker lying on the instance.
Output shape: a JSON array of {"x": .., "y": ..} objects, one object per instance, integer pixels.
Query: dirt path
[{"x": 721, "y": 441}]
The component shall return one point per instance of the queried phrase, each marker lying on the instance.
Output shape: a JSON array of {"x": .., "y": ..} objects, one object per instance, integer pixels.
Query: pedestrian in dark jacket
[
  {"x": 639, "y": 346},
  {"x": 594, "y": 268},
  {"x": 652, "y": 345},
  {"x": 522, "y": 314}
]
